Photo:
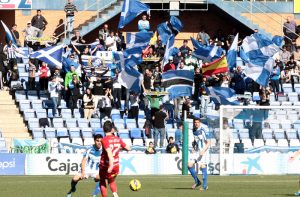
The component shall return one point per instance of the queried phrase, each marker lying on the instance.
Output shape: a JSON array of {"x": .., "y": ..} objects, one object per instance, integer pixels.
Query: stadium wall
[{"x": 142, "y": 164}]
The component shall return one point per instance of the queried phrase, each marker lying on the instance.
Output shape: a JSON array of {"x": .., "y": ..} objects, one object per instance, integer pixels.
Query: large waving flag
[
  {"x": 169, "y": 49},
  {"x": 67, "y": 63},
  {"x": 232, "y": 53},
  {"x": 258, "y": 51},
  {"x": 178, "y": 82},
  {"x": 215, "y": 67},
  {"x": 9, "y": 35},
  {"x": 137, "y": 42},
  {"x": 50, "y": 55},
  {"x": 222, "y": 95},
  {"x": 130, "y": 10},
  {"x": 168, "y": 28},
  {"x": 207, "y": 53}
]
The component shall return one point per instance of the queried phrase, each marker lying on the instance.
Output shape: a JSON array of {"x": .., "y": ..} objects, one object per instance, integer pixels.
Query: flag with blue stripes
[
  {"x": 222, "y": 95},
  {"x": 178, "y": 82},
  {"x": 207, "y": 53},
  {"x": 129, "y": 77},
  {"x": 137, "y": 42},
  {"x": 130, "y": 10},
  {"x": 50, "y": 55},
  {"x": 9, "y": 35},
  {"x": 67, "y": 63},
  {"x": 232, "y": 53},
  {"x": 258, "y": 51},
  {"x": 169, "y": 28},
  {"x": 169, "y": 49}
]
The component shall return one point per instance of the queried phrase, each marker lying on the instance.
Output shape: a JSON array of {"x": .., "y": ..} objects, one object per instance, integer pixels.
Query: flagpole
[{"x": 185, "y": 145}]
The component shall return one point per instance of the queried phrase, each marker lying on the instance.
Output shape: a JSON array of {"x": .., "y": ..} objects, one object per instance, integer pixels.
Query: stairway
[
  {"x": 106, "y": 12},
  {"x": 11, "y": 122}
]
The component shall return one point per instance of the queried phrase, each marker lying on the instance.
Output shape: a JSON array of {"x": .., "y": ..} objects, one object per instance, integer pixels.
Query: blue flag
[
  {"x": 137, "y": 42},
  {"x": 207, "y": 53},
  {"x": 169, "y": 49},
  {"x": 258, "y": 51},
  {"x": 9, "y": 35},
  {"x": 67, "y": 63},
  {"x": 178, "y": 82},
  {"x": 222, "y": 95},
  {"x": 50, "y": 55},
  {"x": 130, "y": 10},
  {"x": 232, "y": 53},
  {"x": 169, "y": 28}
]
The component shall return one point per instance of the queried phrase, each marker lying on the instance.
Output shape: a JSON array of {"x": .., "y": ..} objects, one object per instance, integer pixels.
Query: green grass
[{"x": 153, "y": 186}]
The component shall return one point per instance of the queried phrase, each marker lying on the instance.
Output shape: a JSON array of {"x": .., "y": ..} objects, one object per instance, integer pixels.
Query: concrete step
[
  {"x": 12, "y": 120},
  {"x": 8, "y": 106},
  {"x": 10, "y": 114},
  {"x": 14, "y": 130},
  {"x": 16, "y": 135},
  {"x": 4, "y": 101}
]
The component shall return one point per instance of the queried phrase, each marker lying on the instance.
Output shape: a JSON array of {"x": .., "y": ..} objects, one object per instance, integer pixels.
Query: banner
[
  {"x": 296, "y": 6},
  {"x": 12, "y": 164},
  {"x": 15, "y": 4},
  {"x": 130, "y": 164},
  {"x": 71, "y": 148},
  {"x": 30, "y": 146}
]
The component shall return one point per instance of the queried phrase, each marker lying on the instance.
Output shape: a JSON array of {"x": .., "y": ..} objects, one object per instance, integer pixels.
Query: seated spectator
[
  {"x": 290, "y": 64},
  {"x": 103, "y": 34},
  {"x": 88, "y": 104},
  {"x": 172, "y": 147},
  {"x": 111, "y": 41},
  {"x": 284, "y": 55},
  {"x": 184, "y": 49},
  {"x": 150, "y": 149},
  {"x": 144, "y": 25}
]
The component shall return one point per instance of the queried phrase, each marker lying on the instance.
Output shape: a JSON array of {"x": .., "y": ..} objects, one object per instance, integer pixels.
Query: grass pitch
[{"x": 153, "y": 186}]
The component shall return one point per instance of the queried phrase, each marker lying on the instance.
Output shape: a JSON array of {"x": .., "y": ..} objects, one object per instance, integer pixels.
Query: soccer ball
[{"x": 135, "y": 185}]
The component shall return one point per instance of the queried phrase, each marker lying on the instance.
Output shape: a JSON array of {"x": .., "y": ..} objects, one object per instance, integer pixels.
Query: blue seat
[
  {"x": 136, "y": 133},
  {"x": 99, "y": 131},
  {"x": 115, "y": 116},
  {"x": 41, "y": 113},
  {"x": 291, "y": 134},
  {"x": 124, "y": 133},
  {"x": 66, "y": 114},
  {"x": 74, "y": 132},
  {"x": 71, "y": 123},
  {"x": 62, "y": 132},
  {"x": 20, "y": 95},
  {"x": 58, "y": 123},
  {"x": 279, "y": 134},
  {"x": 33, "y": 123},
  {"x": 24, "y": 105},
  {"x": 95, "y": 123},
  {"x": 141, "y": 123},
  {"x": 38, "y": 133},
  {"x": 36, "y": 104},
  {"x": 50, "y": 132},
  {"x": 83, "y": 123}
]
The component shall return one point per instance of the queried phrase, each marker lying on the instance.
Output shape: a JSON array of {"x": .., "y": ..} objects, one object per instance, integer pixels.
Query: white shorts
[
  {"x": 204, "y": 159},
  {"x": 90, "y": 173}
]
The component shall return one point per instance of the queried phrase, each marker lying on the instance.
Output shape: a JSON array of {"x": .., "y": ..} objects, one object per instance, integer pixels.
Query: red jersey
[{"x": 116, "y": 144}]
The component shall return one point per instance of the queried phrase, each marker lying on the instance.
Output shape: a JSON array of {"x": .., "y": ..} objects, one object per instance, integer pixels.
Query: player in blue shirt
[
  {"x": 201, "y": 147},
  {"x": 89, "y": 166}
]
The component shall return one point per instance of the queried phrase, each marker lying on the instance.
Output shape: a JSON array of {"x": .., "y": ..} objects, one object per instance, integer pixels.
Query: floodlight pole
[{"x": 185, "y": 146}]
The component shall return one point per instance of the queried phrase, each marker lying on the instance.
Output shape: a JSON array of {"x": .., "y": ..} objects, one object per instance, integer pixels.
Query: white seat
[
  {"x": 283, "y": 143},
  {"x": 77, "y": 140},
  {"x": 287, "y": 87},
  {"x": 294, "y": 142},
  {"x": 88, "y": 141},
  {"x": 258, "y": 143},
  {"x": 271, "y": 142},
  {"x": 286, "y": 124},
  {"x": 64, "y": 140},
  {"x": 247, "y": 143}
]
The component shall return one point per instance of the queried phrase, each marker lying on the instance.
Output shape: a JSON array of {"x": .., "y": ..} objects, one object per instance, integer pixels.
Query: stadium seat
[
  {"x": 99, "y": 131},
  {"x": 58, "y": 123},
  {"x": 274, "y": 124},
  {"x": 33, "y": 123},
  {"x": 136, "y": 133},
  {"x": 270, "y": 142},
  {"x": 298, "y": 105},
  {"x": 235, "y": 134},
  {"x": 282, "y": 143},
  {"x": 244, "y": 135},
  {"x": 24, "y": 105},
  {"x": 77, "y": 114},
  {"x": 50, "y": 133},
  {"x": 71, "y": 123},
  {"x": 62, "y": 132},
  {"x": 141, "y": 123},
  {"x": 279, "y": 134},
  {"x": 64, "y": 140},
  {"x": 281, "y": 114},
  {"x": 87, "y": 134},
  {"x": 119, "y": 125},
  {"x": 20, "y": 95},
  {"x": 141, "y": 114},
  {"x": 23, "y": 77},
  {"x": 88, "y": 141},
  {"x": 32, "y": 95},
  {"x": 37, "y": 133},
  {"x": 63, "y": 104},
  {"x": 77, "y": 140},
  {"x": 294, "y": 142},
  {"x": 95, "y": 123},
  {"x": 74, "y": 132},
  {"x": 296, "y": 124},
  {"x": 124, "y": 133},
  {"x": 29, "y": 113},
  {"x": 258, "y": 143},
  {"x": 66, "y": 114},
  {"x": 41, "y": 113},
  {"x": 286, "y": 103},
  {"x": 293, "y": 97},
  {"x": 247, "y": 143},
  {"x": 83, "y": 123},
  {"x": 282, "y": 98},
  {"x": 287, "y": 88},
  {"x": 267, "y": 133},
  {"x": 291, "y": 134},
  {"x": 238, "y": 123},
  {"x": 286, "y": 124},
  {"x": 21, "y": 68},
  {"x": 36, "y": 104},
  {"x": 171, "y": 133},
  {"x": 297, "y": 87}
]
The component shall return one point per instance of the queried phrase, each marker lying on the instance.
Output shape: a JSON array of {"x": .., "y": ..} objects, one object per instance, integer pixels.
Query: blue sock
[
  {"x": 194, "y": 175},
  {"x": 204, "y": 177},
  {"x": 97, "y": 188}
]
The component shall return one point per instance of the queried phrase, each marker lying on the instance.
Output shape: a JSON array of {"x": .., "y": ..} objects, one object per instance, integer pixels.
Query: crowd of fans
[{"x": 97, "y": 86}]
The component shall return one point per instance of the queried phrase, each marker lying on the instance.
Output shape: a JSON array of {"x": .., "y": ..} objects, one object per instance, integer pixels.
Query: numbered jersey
[
  {"x": 116, "y": 144},
  {"x": 92, "y": 155}
]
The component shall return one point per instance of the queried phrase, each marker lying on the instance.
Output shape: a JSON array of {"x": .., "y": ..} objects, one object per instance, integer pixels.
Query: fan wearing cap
[
  {"x": 170, "y": 65},
  {"x": 30, "y": 31}
]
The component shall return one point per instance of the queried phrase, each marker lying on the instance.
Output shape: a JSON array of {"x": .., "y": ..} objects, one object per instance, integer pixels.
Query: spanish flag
[{"x": 215, "y": 67}]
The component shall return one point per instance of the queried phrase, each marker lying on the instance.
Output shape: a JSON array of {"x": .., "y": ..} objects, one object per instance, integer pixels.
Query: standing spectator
[
  {"x": 11, "y": 54},
  {"x": 77, "y": 39},
  {"x": 197, "y": 82},
  {"x": 275, "y": 77},
  {"x": 203, "y": 37},
  {"x": 54, "y": 88},
  {"x": 296, "y": 55},
  {"x": 16, "y": 34},
  {"x": 29, "y": 32},
  {"x": 170, "y": 65},
  {"x": 44, "y": 76},
  {"x": 172, "y": 147},
  {"x": 88, "y": 103},
  {"x": 70, "y": 8},
  {"x": 68, "y": 79},
  {"x": 103, "y": 34},
  {"x": 117, "y": 90},
  {"x": 144, "y": 25},
  {"x": 186, "y": 106},
  {"x": 74, "y": 87},
  {"x": 150, "y": 149},
  {"x": 184, "y": 49},
  {"x": 227, "y": 137},
  {"x": 284, "y": 55},
  {"x": 238, "y": 82},
  {"x": 289, "y": 30},
  {"x": 111, "y": 42},
  {"x": 39, "y": 22},
  {"x": 134, "y": 106},
  {"x": 154, "y": 103},
  {"x": 31, "y": 75},
  {"x": 159, "y": 126},
  {"x": 157, "y": 79},
  {"x": 108, "y": 99},
  {"x": 3, "y": 68}
]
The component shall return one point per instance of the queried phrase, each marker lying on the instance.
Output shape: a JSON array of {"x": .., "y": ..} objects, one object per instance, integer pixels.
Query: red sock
[
  {"x": 103, "y": 188},
  {"x": 113, "y": 185}
]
